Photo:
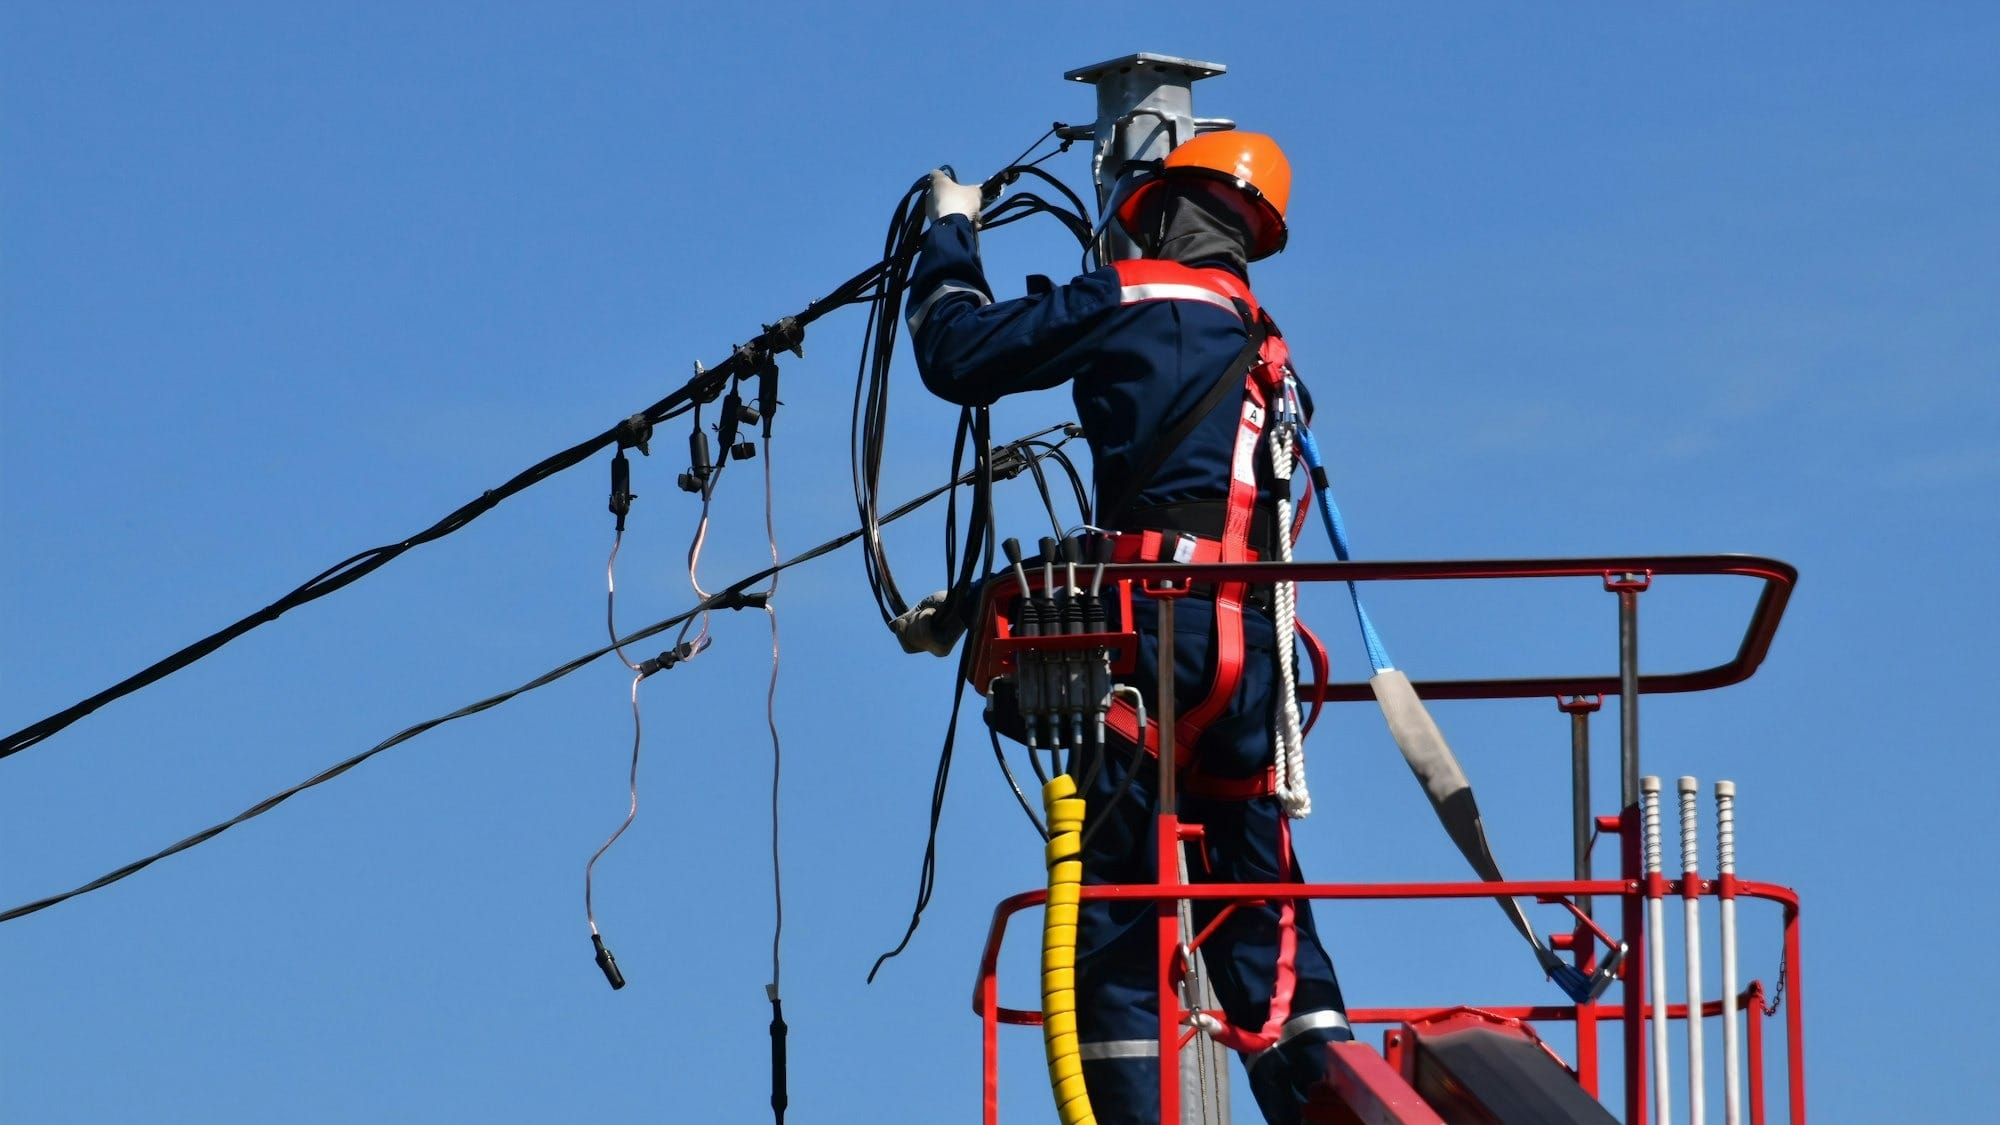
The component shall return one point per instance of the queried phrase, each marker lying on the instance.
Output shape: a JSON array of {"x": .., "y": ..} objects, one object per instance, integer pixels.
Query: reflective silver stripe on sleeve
[
  {"x": 1299, "y": 1025},
  {"x": 1173, "y": 291},
  {"x": 917, "y": 315},
  {"x": 1120, "y": 1049}
]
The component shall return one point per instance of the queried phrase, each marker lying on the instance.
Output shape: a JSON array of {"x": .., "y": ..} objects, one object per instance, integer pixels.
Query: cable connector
[
  {"x": 608, "y": 963},
  {"x": 741, "y": 599},
  {"x": 736, "y": 414},
  {"x": 621, "y": 487},
  {"x": 686, "y": 650},
  {"x": 700, "y": 467},
  {"x": 786, "y": 335},
  {"x": 634, "y": 433}
]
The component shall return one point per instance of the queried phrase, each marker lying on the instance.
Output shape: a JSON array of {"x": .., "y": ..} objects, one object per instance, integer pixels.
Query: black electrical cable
[
  {"x": 868, "y": 438},
  {"x": 784, "y": 335},
  {"x": 871, "y": 388},
  {"x": 927, "y": 875},
  {"x": 1007, "y": 771},
  {"x": 1077, "y": 487},
  {"x": 732, "y": 596}
]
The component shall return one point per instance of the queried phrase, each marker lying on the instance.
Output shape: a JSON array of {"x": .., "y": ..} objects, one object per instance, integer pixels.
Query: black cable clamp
[
  {"x": 634, "y": 433},
  {"x": 786, "y": 335},
  {"x": 671, "y": 657},
  {"x": 741, "y": 599}
]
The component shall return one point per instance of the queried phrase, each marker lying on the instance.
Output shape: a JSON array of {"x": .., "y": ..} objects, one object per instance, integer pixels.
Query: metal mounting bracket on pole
[{"x": 1145, "y": 106}]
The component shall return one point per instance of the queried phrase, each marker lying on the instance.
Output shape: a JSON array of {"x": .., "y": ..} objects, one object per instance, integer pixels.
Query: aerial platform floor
[{"x": 1462, "y": 1069}]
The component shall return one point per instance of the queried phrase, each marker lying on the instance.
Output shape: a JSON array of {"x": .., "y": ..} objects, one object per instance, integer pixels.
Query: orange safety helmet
[{"x": 1252, "y": 163}]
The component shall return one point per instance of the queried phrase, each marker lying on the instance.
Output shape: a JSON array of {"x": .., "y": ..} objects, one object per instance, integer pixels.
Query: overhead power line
[
  {"x": 748, "y": 359},
  {"x": 1009, "y": 461}
]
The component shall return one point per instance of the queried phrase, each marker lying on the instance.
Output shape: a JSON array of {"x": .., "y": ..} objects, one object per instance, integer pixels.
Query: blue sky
[{"x": 280, "y": 283}]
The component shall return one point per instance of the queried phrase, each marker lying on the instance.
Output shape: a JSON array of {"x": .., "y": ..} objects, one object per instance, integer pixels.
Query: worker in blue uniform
[{"x": 1144, "y": 345}]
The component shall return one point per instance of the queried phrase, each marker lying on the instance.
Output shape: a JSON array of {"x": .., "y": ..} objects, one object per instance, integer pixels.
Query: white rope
[{"x": 1290, "y": 751}]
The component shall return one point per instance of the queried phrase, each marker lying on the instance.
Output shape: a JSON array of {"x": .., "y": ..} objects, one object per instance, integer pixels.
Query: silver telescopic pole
[
  {"x": 1656, "y": 948},
  {"x": 1690, "y": 790},
  {"x": 1725, "y": 870}
]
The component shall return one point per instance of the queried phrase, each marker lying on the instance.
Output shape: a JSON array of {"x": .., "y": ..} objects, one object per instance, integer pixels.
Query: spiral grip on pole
[
  {"x": 1725, "y": 828},
  {"x": 1064, "y": 810},
  {"x": 1649, "y": 788},
  {"x": 1690, "y": 836}
]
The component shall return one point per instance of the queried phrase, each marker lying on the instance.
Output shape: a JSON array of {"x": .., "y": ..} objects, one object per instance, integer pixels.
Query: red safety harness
[
  {"x": 1152, "y": 280},
  {"x": 1263, "y": 387}
]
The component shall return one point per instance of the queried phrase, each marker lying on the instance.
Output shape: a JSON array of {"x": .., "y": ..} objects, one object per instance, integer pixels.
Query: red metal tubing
[
  {"x": 996, "y": 933},
  {"x": 1778, "y": 578},
  {"x": 1754, "y": 1044}
]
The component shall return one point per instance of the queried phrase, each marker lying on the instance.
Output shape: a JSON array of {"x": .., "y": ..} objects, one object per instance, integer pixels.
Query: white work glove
[
  {"x": 949, "y": 197},
  {"x": 923, "y": 628}
]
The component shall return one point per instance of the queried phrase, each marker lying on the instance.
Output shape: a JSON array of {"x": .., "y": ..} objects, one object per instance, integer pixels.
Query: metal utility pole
[{"x": 1145, "y": 106}]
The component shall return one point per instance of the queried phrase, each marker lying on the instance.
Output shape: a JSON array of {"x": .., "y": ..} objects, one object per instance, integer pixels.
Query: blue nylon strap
[{"x": 1336, "y": 530}]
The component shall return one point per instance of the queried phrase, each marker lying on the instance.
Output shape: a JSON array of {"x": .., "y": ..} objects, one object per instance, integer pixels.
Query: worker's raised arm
[{"x": 970, "y": 349}]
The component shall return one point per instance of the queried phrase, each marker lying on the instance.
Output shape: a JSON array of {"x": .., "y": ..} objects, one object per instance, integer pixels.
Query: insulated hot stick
[
  {"x": 1096, "y": 620},
  {"x": 1027, "y": 623},
  {"x": 1073, "y": 666},
  {"x": 1052, "y": 621}
]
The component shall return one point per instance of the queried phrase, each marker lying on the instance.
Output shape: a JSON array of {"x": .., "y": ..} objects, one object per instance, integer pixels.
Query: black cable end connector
[
  {"x": 621, "y": 488},
  {"x": 780, "y": 1097},
  {"x": 608, "y": 963}
]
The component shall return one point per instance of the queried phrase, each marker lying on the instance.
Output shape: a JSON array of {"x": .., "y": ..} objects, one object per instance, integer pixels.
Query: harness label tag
[
  {"x": 1243, "y": 466},
  {"x": 1183, "y": 549}
]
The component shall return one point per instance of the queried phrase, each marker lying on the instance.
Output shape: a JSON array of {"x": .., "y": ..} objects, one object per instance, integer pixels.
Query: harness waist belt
[
  {"x": 1177, "y": 546},
  {"x": 1203, "y": 518}
]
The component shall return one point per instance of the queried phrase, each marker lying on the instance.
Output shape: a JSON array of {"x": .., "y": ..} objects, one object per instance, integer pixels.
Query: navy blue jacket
[{"x": 1134, "y": 369}]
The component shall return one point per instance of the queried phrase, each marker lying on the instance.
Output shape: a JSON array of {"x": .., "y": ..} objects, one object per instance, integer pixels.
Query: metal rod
[
  {"x": 1168, "y": 856},
  {"x": 1581, "y": 820},
  {"x": 1656, "y": 918},
  {"x": 1690, "y": 791},
  {"x": 1628, "y": 687},
  {"x": 1169, "y": 716},
  {"x": 1725, "y": 874},
  {"x": 1632, "y": 910}
]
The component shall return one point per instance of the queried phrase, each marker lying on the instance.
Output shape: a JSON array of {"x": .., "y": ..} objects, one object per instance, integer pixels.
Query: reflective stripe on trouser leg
[
  {"x": 1328, "y": 1020},
  {"x": 1119, "y": 1049},
  {"x": 1282, "y": 1077}
]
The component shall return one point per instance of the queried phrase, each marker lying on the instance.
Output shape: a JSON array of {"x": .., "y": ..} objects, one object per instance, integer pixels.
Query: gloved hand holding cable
[{"x": 949, "y": 197}]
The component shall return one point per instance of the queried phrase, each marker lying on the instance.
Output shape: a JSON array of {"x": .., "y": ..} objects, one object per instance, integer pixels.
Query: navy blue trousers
[{"x": 1118, "y": 1022}]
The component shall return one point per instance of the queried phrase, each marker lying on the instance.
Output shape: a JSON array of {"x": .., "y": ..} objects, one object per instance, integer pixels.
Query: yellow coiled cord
[{"x": 1065, "y": 814}]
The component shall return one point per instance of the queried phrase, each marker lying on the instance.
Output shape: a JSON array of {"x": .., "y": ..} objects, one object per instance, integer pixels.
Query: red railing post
[
  {"x": 1754, "y": 1043},
  {"x": 1633, "y": 972},
  {"x": 1795, "y": 1019},
  {"x": 1169, "y": 929}
]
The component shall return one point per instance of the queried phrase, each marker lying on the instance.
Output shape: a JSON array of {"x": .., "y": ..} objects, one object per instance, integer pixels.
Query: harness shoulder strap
[{"x": 1150, "y": 280}]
